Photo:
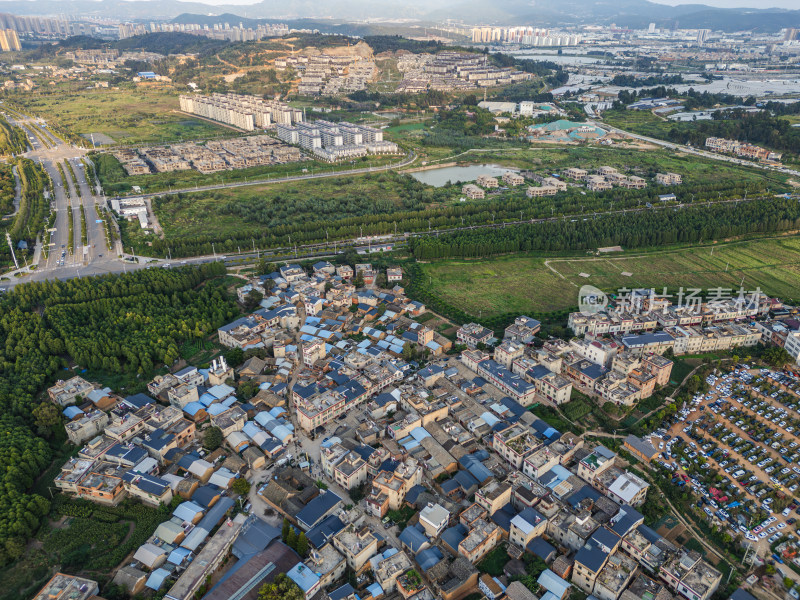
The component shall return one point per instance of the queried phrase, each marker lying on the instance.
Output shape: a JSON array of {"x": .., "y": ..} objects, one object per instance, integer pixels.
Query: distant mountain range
[{"x": 552, "y": 13}]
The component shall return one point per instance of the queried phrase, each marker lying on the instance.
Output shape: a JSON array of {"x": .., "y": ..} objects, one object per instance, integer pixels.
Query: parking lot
[{"x": 735, "y": 446}]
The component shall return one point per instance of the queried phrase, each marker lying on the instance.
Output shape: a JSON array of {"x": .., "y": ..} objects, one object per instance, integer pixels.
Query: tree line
[
  {"x": 7, "y": 185},
  {"x": 631, "y": 230},
  {"x": 12, "y": 139},
  {"x": 33, "y": 207},
  {"x": 692, "y": 99},
  {"x": 625, "y": 80}
]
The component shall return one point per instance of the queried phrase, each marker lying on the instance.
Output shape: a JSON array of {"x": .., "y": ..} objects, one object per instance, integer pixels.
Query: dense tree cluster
[
  {"x": 6, "y": 189},
  {"x": 121, "y": 323},
  {"x": 692, "y": 99},
  {"x": 174, "y": 42},
  {"x": 736, "y": 124},
  {"x": 133, "y": 325},
  {"x": 292, "y": 208},
  {"x": 362, "y": 99},
  {"x": 393, "y": 43},
  {"x": 12, "y": 139},
  {"x": 631, "y": 230},
  {"x": 475, "y": 121},
  {"x": 624, "y": 80},
  {"x": 282, "y": 588},
  {"x": 33, "y": 207}
]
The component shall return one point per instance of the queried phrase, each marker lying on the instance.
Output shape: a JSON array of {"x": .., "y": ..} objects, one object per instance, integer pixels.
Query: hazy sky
[{"x": 792, "y": 4}]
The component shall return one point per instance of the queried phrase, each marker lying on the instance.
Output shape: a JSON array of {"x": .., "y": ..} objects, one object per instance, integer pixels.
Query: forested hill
[
  {"x": 170, "y": 43},
  {"x": 121, "y": 323}
]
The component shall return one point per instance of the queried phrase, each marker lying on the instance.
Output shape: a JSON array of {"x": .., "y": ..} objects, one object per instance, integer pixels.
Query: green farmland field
[
  {"x": 127, "y": 115},
  {"x": 535, "y": 284}
]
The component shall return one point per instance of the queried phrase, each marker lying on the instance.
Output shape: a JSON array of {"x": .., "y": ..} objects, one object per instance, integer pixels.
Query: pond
[{"x": 439, "y": 177}]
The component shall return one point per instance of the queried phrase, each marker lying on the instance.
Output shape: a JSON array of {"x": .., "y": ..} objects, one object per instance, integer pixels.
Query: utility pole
[{"x": 11, "y": 246}]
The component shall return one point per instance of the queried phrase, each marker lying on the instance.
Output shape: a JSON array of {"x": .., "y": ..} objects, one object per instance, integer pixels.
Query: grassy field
[
  {"x": 129, "y": 115},
  {"x": 639, "y": 121},
  {"x": 406, "y": 127},
  {"x": 530, "y": 284},
  {"x": 215, "y": 213}
]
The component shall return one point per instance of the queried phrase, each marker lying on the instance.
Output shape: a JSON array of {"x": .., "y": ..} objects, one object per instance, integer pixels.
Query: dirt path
[
  {"x": 131, "y": 528},
  {"x": 603, "y": 434},
  {"x": 699, "y": 536},
  {"x": 549, "y": 266}
]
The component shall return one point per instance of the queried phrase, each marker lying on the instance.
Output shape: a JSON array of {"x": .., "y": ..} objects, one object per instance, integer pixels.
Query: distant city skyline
[{"x": 787, "y": 4}]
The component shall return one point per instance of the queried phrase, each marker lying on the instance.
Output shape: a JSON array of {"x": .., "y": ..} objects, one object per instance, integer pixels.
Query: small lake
[{"x": 439, "y": 177}]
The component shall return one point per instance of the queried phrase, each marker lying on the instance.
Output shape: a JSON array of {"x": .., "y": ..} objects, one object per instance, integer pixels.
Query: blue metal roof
[
  {"x": 72, "y": 411},
  {"x": 254, "y": 537},
  {"x": 216, "y": 512},
  {"x": 626, "y": 519},
  {"x": 465, "y": 480},
  {"x": 592, "y": 558},
  {"x": 187, "y": 511},
  {"x": 649, "y": 534},
  {"x": 328, "y": 527},
  {"x": 221, "y": 391},
  {"x": 414, "y": 492},
  {"x": 420, "y": 433},
  {"x": 156, "y": 579},
  {"x": 553, "y": 583},
  {"x": 581, "y": 494},
  {"x": 554, "y": 476},
  {"x": 139, "y": 400},
  {"x": 453, "y": 536},
  {"x": 342, "y": 592},
  {"x": 606, "y": 538},
  {"x": 502, "y": 517},
  {"x": 413, "y": 538},
  {"x": 642, "y": 339},
  {"x": 450, "y": 485},
  {"x": 476, "y": 468},
  {"x": 147, "y": 483},
  {"x": 178, "y": 555},
  {"x": 541, "y": 548},
  {"x": 429, "y": 557},
  {"x": 315, "y": 510},
  {"x": 204, "y": 495},
  {"x": 193, "y": 408},
  {"x": 303, "y": 576}
]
